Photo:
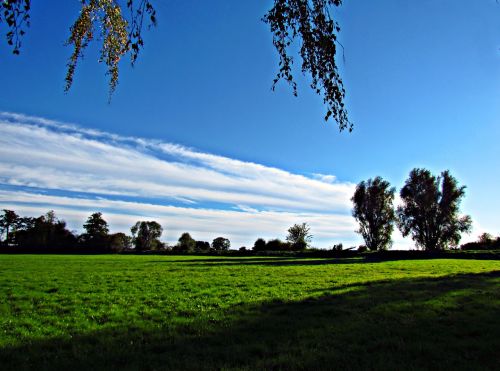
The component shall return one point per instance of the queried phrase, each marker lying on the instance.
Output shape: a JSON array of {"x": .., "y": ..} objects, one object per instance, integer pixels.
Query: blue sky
[{"x": 422, "y": 81}]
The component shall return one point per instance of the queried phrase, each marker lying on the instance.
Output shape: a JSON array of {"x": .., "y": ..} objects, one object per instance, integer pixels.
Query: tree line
[
  {"x": 428, "y": 213},
  {"x": 49, "y": 233}
]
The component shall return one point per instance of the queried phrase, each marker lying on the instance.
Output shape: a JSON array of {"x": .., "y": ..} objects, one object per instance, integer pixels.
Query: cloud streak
[{"x": 132, "y": 178}]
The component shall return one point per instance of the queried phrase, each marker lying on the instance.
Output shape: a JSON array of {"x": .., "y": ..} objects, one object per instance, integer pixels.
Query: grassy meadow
[{"x": 187, "y": 312}]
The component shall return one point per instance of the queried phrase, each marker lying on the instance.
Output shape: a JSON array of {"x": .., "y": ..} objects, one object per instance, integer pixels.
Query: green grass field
[{"x": 170, "y": 312}]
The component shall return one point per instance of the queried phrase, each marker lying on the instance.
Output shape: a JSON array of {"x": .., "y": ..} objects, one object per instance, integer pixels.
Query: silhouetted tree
[
  {"x": 9, "y": 222},
  {"x": 430, "y": 210},
  {"x": 46, "y": 231},
  {"x": 374, "y": 212},
  {"x": 202, "y": 246},
  {"x": 485, "y": 242},
  {"x": 486, "y": 238},
  {"x": 298, "y": 236},
  {"x": 186, "y": 243},
  {"x": 259, "y": 245},
  {"x": 119, "y": 242},
  {"x": 338, "y": 247},
  {"x": 278, "y": 245},
  {"x": 221, "y": 244},
  {"x": 120, "y": 25},
  {"x": 96, "y": 232},
  {"x": 146, "y": 235}
]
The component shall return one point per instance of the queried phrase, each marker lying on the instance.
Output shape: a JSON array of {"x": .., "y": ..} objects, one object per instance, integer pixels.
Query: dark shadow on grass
[
  {"x": 438, "y": 323},
  {"x": 261, "y": 261},
  {"x": 334, "y": 258}
]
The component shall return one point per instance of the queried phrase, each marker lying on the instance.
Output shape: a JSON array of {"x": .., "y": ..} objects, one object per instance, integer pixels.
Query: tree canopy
[
  {"x": 374, "y": 212},
  {"x": 146, "y": 235},
  {"x": 221, "y": 244},
  {"x": 118, "y": 25},
  {"x": 299, "y": 236},
  {"x": 430, "y": 210}
]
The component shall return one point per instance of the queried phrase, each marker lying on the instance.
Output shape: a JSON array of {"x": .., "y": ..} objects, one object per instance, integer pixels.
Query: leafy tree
[
  {"x": 46, "y": 231},
  {"x": 299, "y": 236},
  {"x": 486, "y": 238},
  {"x": 338, "y": 247},
  {"x": 277, "y": 245},
  {"x": 221, "y": 244},
  {"x": 186, "y": 243},
  {"x": 374, "y": 212},
  {"x": 485, "y": 242},
  {"x": 119, "y": 242},
  {"x": 96, "y": 231},
  {"x": 259, "y": 245},
  {"x": 9, "y": 222},
  {"x": 202, "y": 246},
  {"x": 146, "y": 235},
  {"x": 430, "y": 210},
  {"x": 119, "y": 24}
]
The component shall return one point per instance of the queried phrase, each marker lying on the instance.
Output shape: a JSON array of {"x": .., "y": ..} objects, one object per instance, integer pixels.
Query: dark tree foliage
[
  {"x": 186, "y": 243},
  {"x": 16, "y": 14},
  {"x": 96, "y": 232},
  {"x": 46, "y": 231},
  {"x": 118, "y": 26},
  {"x": 299, "y": 237},
  {"x": 485, "y": 242},
  {"x": 278, "y": 245},
  {"x": 118, "y": 242},
  {"x": 202, "y": 246},
  {"x": 374, "y": 212},
  {"x": 259, "y": 245},
  {"x": 221, "y": 244},
  {"x": 312, "y": 23},
  {"x": 430, "y": 210},
  {"x": 146, "y": 235},
  {"x": 9, "y": 222}
]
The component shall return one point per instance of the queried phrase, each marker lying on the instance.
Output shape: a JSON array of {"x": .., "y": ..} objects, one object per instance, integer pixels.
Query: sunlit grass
[{"x": 195, "y": 312}]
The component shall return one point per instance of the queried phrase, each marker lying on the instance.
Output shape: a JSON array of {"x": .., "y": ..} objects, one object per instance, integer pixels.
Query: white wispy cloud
[{"x": 186, "y": 190}]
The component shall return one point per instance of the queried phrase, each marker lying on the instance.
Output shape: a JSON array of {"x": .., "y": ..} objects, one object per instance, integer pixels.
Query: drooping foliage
[
  {"x": 311, "y": 23},
  {"x": 16, "y": 14},
  {"x": 119, "y": 34},
  {"x": 118, "y": 26},
  {"x": 374, "y": 211},
  {"x": 430, "y": 210}
]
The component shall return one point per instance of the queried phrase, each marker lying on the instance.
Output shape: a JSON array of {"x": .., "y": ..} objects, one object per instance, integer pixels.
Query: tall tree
[
  {"x": 146, "y": 235},
  {"x": 259, "y": 245},
  {"x": 374, "y": 211},
  {"x": 9, "y": 222},
  {"x": 96, "y": 231},
  {"x": 119, "y": 27},
  {"x": 221, "y": 244},
  {"x": 299, "y": 236},
  {"x": 430, "y": 210},
  {"x": 186, "y": 243}
]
